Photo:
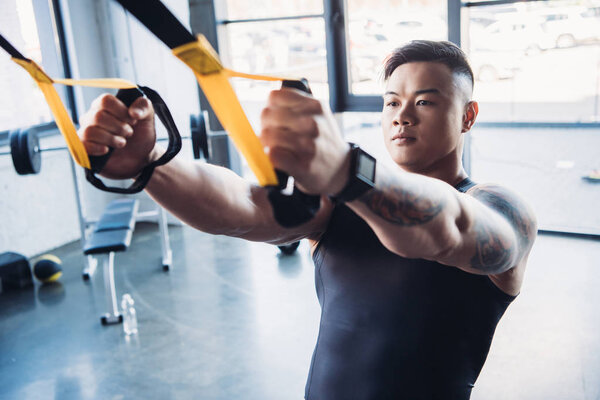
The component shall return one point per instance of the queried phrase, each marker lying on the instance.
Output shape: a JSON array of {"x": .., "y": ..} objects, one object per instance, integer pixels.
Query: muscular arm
[
  {"x": 210, "y": 198},
  {"x": 216, "y": 200},
  {"x": 487, "y": 231}
]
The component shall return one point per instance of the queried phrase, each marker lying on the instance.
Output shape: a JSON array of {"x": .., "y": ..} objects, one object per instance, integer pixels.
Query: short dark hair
[{"x": 443, "y": 52}]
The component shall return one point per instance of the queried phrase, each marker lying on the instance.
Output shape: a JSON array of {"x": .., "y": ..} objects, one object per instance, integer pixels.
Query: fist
[
  {"x": 301, "y": 138},
  {"x": 129, "y": 131}
]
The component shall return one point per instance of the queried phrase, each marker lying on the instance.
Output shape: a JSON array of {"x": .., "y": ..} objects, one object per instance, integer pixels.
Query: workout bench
[{"x": 111, "y": 234}]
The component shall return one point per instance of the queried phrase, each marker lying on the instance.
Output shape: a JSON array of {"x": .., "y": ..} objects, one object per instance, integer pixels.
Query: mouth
[{"x": 402, "y": 139}]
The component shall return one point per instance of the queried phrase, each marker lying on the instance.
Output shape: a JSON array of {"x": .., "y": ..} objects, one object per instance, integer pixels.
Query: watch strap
[{"x": 358, "y": 182}]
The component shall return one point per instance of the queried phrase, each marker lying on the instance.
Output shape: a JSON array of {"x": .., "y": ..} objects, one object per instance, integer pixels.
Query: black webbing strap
[
  {"x": 9, "y": 48},
  {"x": 128, "y": 96},
  {"x": 160, "y": 21}
]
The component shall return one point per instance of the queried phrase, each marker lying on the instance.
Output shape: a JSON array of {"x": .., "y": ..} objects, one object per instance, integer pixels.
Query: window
[
  {"x": 287, "y": 41},
  {"x": 22, "y": 103},
  {"x": 537, "y": 69},
  {"x": 535, "y": 62},
  {"x": 35, "y": 30},
  {"x": 264, "y": 9},
  {"x": 375, "y": 28}
]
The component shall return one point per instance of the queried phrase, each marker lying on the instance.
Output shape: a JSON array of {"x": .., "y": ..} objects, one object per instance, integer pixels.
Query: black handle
[
  {"x": 127, "y": 96},
  {"x": 294, "y": 209}
]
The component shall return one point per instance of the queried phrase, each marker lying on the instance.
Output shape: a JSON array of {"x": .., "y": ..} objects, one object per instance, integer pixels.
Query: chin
[{"x": 403, "y": 160}]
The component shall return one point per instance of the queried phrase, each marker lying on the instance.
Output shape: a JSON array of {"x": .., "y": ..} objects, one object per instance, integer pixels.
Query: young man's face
[{"x": 422, "y": 119}]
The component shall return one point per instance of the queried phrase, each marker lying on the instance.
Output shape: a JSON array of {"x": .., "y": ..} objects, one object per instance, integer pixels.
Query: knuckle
[
  {"x": 266, "y": 134},
  {"x": 105, "y": 100},
  {"x": 274, "y": 96},
  {"x": 310, "y": 126},
  {"x": 99, "y": 117},
  {"x": 88, "y": 133},
  {"x": 146, "y": 103},
  {"x": 117, "y": 141},
  {"x": 143, "y": 103},
  {"x": 316, "y": 106},
  {"x": 265, "y": 114}
]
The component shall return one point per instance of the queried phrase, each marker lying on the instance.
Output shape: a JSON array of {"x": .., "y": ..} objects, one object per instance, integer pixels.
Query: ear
[{"x": 469, "y": 116}]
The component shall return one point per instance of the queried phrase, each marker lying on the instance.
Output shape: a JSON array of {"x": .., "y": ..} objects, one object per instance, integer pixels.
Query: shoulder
[{"x": 511, "y": 206}]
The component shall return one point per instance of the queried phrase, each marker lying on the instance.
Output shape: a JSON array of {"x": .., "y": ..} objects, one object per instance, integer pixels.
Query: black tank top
[{"x": 393, "y": 327}]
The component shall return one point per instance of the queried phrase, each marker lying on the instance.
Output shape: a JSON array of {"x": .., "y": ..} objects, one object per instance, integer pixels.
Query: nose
[{"x": 404, "y": 116}]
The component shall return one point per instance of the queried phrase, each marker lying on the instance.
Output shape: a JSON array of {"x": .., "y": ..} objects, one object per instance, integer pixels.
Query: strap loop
[{"x": 128, "y": 96}]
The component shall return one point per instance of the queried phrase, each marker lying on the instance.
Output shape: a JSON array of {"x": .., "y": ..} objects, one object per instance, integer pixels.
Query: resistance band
[{"x": 203, "y": 60}]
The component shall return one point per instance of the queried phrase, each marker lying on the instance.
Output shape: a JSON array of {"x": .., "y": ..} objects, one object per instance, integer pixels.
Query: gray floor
[{"x": 235, "y": 320}]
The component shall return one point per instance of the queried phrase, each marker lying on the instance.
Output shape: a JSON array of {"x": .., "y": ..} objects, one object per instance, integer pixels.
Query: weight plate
[
  {"x": 15, "y": 152},
  {"x": 34, "y": 156},
  {"x": 203, "y": 136},
  {"x": 195, "y": 136},
  {"x": 29, "y": 152},
  {"x": 199, "y": 136}
]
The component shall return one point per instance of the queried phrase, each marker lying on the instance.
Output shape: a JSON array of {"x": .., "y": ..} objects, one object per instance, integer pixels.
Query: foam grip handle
[{"x": 127, "y": 97}]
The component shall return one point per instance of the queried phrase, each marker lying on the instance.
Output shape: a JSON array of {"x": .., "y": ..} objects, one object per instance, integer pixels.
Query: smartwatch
[{"x": 362, "y": 175}]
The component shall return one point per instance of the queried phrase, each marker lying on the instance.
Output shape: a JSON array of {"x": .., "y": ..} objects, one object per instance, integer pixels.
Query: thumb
[
  {"x": 141, "y": 109},
  {"x": 283, "y": 159}
]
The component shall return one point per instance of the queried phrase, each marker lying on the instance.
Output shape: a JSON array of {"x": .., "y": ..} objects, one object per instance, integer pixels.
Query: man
[{"x": 413, "y": 271}]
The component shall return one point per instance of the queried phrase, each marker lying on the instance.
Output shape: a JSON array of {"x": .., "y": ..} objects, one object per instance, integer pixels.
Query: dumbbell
[{"x": 27, "y": 154}]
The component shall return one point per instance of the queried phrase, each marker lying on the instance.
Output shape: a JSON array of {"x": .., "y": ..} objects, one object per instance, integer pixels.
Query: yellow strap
[
  {"x": 230, "y": 73},
  {"x": 228, "y": 109},
  {"x": 63, "y": 121},
  {"x": 199, "y": 56},
  {"x": 105, "y": 83},
  {"x": 213, "y": 79},
  {"x": 65, "y": 124}
]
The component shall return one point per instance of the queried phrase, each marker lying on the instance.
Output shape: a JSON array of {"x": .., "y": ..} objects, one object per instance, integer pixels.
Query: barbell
[{"x": 26, "y": 152}]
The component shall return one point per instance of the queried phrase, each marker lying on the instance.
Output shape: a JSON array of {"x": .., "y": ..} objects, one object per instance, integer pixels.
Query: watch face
[{"x": 366, "y": 167}]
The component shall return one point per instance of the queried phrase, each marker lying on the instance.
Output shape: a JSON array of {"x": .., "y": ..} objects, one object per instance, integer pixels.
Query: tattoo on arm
[
  {"x": 491, "y": 253},
  {"x": 400, "y": 206}
]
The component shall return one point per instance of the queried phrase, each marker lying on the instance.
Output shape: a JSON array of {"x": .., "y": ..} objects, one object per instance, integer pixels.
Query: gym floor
[{"x": 237, "y": 320}]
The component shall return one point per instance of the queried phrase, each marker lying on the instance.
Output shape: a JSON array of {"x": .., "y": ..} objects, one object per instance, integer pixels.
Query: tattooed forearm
[
  {"x": 400, "y": 206},
  {"x": 491, "y": 254}
]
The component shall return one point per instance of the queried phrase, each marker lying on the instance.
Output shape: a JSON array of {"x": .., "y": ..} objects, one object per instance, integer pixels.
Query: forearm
[
  {"x": 407, "y": 211},
  {"x": 420, "y": 217},
  {"x": 207, "y": 197}
]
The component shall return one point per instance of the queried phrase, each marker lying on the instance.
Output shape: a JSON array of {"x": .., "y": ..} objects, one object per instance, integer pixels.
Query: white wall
[{"x": 39, "y": 212}]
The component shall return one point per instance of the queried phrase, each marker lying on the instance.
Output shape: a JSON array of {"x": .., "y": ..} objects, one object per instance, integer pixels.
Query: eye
[
  {"x": 392, "y": 104},
  {"x": 424, "y": 103}
]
